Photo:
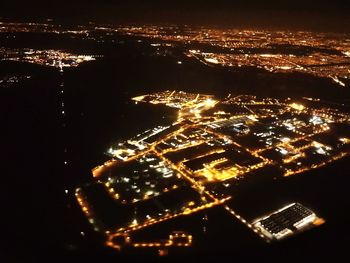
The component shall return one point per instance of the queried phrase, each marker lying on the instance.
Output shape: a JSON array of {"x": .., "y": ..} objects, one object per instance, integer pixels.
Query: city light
[{"x": 205, "y": 150}]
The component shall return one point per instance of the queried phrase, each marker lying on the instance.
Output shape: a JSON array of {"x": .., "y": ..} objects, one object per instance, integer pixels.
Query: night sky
[{"x": 297, "y": 14}]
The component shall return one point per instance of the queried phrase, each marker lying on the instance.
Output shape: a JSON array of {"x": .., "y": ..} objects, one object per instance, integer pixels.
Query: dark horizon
[{"x": 293, "y": 15}]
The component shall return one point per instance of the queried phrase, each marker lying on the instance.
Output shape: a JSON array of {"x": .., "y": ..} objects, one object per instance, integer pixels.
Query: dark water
[{"x": 43, "y": 223}]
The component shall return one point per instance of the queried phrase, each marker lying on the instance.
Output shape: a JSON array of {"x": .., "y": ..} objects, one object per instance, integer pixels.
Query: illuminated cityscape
[
  {"x": 320, "y": 54},
  {"x": 195, "y": 131},
  {"x": 193, "y": 164},
  {"x": 52, "y": 58}
]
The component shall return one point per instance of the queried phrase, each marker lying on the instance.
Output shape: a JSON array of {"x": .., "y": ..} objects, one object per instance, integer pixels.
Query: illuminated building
[{"x": 287, "y": 221}]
